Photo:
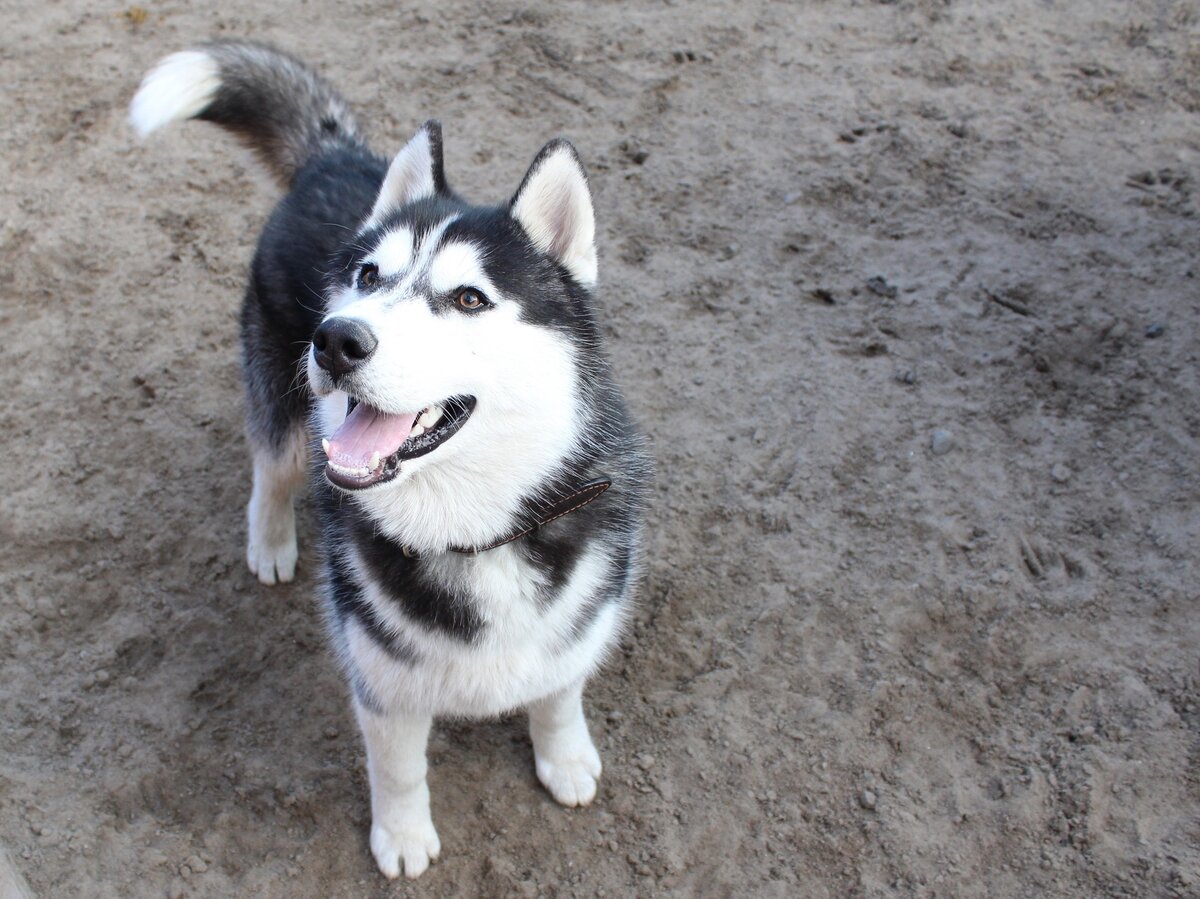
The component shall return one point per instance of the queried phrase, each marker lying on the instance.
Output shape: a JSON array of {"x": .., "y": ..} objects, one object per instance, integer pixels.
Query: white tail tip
[{"x": 178, "y": 87}]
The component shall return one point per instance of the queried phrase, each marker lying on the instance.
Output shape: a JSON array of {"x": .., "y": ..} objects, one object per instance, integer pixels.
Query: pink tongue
[{"x": 367, "y": 431}]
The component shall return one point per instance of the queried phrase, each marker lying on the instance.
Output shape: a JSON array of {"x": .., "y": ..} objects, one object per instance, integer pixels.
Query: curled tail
[{"x": 282, "y": 109}]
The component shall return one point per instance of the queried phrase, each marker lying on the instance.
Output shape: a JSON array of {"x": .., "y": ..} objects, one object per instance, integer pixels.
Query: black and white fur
[{"x": 420, "y": 629}]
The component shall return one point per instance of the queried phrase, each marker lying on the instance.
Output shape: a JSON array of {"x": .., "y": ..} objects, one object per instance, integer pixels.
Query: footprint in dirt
[
  {"x": 1166, "y": 188},
  {"x": 1043, "y": 561}
]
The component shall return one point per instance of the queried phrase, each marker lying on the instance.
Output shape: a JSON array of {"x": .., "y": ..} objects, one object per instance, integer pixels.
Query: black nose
[{"x": 342, "y": 345}]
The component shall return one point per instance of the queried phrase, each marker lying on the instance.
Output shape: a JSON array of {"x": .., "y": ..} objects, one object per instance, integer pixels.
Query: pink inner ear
[
  {"x": 562, "y": 222},
  {"x": 409, "y": 178},
  {"x": 554, "y": 205}
]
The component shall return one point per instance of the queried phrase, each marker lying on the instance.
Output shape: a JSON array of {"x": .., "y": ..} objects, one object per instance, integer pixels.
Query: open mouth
[{"x": 370, "y": 446}]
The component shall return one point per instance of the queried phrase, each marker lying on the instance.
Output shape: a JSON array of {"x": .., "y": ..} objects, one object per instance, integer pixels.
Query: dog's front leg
[
  {"x": 402, "y": 833},
  {"x": 567, "y": 762}
]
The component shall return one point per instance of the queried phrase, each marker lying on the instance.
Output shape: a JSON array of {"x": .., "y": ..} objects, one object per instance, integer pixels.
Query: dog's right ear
[{"x": 415, "y": 173}]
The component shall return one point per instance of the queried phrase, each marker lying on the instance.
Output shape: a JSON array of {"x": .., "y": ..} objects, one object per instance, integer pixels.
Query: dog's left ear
[
  {"x": 415, "y": 173},
  {"x": 554, "y": 206}
]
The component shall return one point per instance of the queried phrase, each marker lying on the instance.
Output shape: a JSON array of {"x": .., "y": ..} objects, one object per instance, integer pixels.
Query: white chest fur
[{"x": 530, "y": 645}]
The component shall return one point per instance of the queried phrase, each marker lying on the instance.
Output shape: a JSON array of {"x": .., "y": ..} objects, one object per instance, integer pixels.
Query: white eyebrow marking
[
  {"x": 394, "y": 253},
  {"x": 458, "y": 264}
]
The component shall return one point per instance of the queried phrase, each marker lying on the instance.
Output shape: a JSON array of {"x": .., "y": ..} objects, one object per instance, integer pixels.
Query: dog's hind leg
[
  {"x": 277, "y": 400},
  {"x": 271, "y": 550},
  {"x": 566, "y": 759}
]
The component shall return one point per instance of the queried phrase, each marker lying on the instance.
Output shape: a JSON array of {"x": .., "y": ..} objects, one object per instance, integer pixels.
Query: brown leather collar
[{"x": 564, "y": 505}]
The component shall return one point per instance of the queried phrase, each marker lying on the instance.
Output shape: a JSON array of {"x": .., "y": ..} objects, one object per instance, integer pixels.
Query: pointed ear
[
  {"x": 554, "y": 206},
  {"x": 414, "y": 174}
]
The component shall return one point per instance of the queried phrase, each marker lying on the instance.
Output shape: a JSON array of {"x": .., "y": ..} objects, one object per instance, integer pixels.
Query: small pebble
[
  {"x": 1155, "y": 330},
  {"x": 1060, "y": 473},
  {"x": 867, "y": 799},
  {"x": 941, "y": 442},
  {"x": 880, "y": 287},
  {"x": 634, "y": 152}
]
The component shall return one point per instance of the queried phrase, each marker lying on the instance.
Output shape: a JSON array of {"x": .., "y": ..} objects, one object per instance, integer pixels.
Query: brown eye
[
  {"x": 368, "y": 275},
  {"x": 471, "y": 299}
]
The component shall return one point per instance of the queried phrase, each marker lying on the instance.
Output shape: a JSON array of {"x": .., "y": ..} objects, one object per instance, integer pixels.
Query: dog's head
[{"x": 453, "y": 339}]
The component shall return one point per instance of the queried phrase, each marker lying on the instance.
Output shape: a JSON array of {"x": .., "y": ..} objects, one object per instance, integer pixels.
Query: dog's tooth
[
  {"x": 376, "y": 460},
  {"x": 350, "y": 472},
  {"x": 325, "y": 445},
  {"x": 417, "y": 431},
  {"x": 430, "y": 417}
]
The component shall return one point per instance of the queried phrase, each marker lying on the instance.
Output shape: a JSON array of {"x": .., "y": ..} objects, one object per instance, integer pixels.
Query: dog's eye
[
  {"x": 471, "y": 299},
  {"x": 368, "y": 275}
]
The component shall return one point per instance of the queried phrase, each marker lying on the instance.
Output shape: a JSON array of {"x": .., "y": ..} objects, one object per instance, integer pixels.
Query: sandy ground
[{"x": 872, "y": 658}]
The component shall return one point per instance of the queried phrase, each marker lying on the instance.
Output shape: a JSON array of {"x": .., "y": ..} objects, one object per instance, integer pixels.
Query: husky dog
[{"x": 482, "y": 486}]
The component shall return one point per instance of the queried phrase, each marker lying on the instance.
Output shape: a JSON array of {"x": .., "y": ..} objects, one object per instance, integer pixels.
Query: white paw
[
  {"x": 570, "y": 776},
  {"x": 271, "y": 543},
  {"x": 273, "y": 564},
  {"x": 410, "y": 849}
]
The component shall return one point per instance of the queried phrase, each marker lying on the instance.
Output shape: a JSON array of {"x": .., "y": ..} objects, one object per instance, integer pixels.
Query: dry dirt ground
[{"x": 907, "y": 295}]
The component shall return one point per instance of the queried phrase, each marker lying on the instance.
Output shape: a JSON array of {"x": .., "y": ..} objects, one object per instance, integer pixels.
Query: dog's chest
[{"x": 483, "y": 633}]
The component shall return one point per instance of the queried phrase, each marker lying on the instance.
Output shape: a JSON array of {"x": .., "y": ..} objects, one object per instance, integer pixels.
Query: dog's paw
[
  {"x": 571, "y": 776},
  {"x": 273, "y": 564},
  {"x": 271, "y": 519},
  {"x": 410, "y": 849}
]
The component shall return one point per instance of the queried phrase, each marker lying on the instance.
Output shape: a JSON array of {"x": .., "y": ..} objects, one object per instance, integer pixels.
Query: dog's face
[{"x": 452, "y": 331}]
